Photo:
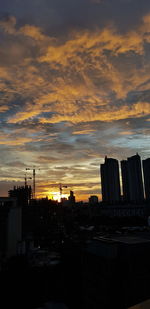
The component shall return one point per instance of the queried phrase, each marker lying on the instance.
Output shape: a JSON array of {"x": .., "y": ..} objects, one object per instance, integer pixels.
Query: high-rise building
[
  {"x": 125, "y": 180},
  {"x": 146, "y": 172},
  {"x": 132, "y": 181},
  {"x": 110, "y": 181},
  {"x": 71, "y": 198}
]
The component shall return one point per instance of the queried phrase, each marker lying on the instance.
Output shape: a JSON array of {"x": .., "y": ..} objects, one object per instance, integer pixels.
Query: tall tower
[
  {"x": 110, "y": 181},
  {"x": 132, "y": 179},
  {"x": 146, "y": 172},
  {"x": 71, "y": 198},
  {"x": 125, "y": 180}
]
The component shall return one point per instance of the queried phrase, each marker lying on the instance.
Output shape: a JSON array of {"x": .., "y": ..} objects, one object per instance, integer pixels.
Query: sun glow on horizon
[
  {"x": 79, "y": 195},
  {"x": 56, "y": 196}
]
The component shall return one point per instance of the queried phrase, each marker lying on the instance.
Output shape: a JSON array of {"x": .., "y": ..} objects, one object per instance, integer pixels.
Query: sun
[{"x": 56, "y": 196}]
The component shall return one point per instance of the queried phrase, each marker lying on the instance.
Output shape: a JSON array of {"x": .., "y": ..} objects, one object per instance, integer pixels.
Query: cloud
[
  {"x": 17, "y": 164},
  {"x": 33, "y": 32},
  {"x": 3, "y": 108},
  {"x": 105, "y": 114},
  {"x": 86, "y": 69},
  {"x": 8, "y": 24},
  {"x": 8, "y": 140}
]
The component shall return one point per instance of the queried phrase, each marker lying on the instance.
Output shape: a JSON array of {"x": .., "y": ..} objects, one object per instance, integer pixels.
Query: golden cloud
[
  {"x": 33, "y": 32},
  {"x": 29, "y": 112},
  {"x": 107, "y": 114},
  {"x": 14, "y": 142},
  {"x": 126, "y": 133},
  {"x": 3, "y": 108},
  {"x": 79, "y": 77}
]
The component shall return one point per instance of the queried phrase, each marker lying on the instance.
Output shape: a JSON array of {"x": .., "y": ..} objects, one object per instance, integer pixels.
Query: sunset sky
[{"x": 74, "y": 87}]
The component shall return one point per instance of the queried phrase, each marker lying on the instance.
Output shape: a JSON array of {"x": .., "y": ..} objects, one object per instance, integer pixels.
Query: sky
[{"x": 74, "y": 87}]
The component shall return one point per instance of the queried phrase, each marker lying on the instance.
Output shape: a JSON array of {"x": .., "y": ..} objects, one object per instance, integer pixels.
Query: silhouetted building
[
  {"x": 135, "y": 181},
  {"x": 10, "y": 227},
  {"x": 71, "y": 198},
  {"x": 146, "y": 172},
  {"x": 125, "y": 180},
  {"x": 93, "y": 199},
  {"x": 22, "y": 194},
  {"x": 110, "y": 181}
]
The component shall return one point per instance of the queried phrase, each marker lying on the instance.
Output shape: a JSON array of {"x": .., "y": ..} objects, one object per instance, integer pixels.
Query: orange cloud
[
  {"x": 3, "y": 108},
  {"x": 14, "y": 142},
  {"x": 106, "y": 114},
  {"x": 126, "y": 133},
  {"x": 95, "y": 43},
  {"x": 83, "y": 132},
  {"x": 33, "y": 32},
  {"x": 30, "y": 112},
  {"x": 84, "y": 74}
]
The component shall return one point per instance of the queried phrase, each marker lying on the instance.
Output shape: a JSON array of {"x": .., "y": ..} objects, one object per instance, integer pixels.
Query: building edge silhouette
[{"x": 135, "y": 180}]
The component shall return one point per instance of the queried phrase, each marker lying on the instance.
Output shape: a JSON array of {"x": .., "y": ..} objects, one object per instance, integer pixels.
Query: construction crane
[
  {"x": 25, "y": 179},
  {"x": 60, "y": 189},
  {"x": 28, "y": 169}
]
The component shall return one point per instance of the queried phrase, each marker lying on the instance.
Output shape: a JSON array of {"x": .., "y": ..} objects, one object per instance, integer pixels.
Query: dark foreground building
[
  {"x": 132, "y": 181},
  {"x": 10, "y": 227},
  {"x": 116, "y": 272},
  {"x": 110, "y": 181}
]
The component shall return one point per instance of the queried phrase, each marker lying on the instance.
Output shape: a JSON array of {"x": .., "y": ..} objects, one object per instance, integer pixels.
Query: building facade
[
  {"x": 10, "y": 227},
  {"x": 110, "y": 182},
  {"x": 132, "y": 181},
  {"x": 135, "y": 179},
  {"x": 125, "y": 180},
  {"x": 146, "y": 173}
]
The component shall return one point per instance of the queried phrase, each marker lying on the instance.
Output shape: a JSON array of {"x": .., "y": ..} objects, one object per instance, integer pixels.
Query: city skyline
[
  {"x": 124, "y": 181},
  {"x": 74, "y": 87}
]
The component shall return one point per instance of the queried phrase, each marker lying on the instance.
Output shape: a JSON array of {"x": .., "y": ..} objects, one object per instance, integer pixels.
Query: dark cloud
[{"x": 58, "y": 16}]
